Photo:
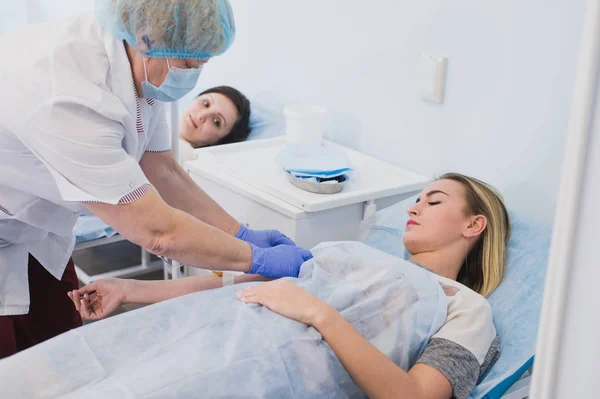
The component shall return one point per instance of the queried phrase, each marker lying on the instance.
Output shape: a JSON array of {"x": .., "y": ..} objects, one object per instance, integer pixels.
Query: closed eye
[{"x": 429, "y": 202}]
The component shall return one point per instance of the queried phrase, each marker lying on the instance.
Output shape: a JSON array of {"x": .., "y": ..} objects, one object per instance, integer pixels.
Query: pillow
[
  {"x": 516, "y": 303},
  {"x": 266, "y": 117}
]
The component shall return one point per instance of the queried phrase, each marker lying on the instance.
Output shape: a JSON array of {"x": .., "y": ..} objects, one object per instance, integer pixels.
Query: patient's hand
[
  {"x": 289, "y": 300},
  {"x": 99, "y": 299}
]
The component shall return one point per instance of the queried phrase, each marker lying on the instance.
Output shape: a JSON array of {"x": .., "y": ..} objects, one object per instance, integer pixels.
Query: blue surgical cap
[{"x": 188, "y": 29}]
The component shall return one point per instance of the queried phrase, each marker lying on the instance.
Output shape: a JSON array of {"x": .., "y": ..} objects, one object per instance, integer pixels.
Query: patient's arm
[
  {"x": 106, "y": 295},
  {"x": 375, "y": 374},
  {"x": 146, "y": 292}
]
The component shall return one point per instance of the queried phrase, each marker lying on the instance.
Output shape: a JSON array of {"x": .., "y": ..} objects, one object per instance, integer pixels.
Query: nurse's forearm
[
  {"x": 148, "y": 292},
  {"x": 195, "y": 243},
  {"x": 184, "y": 194},
  {"x": 178, "y": 190},
  {"x": 163, "y": 230}
]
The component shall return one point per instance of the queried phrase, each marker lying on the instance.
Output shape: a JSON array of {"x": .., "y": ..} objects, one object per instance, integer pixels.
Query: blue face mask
[{"x": 177, "y": 84}]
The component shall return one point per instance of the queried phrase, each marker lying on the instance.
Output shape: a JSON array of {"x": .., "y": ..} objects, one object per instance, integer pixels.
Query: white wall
[
  {"x": 567, "y": 356},
  {"x": 46, "y": 10},
  {"x": 16, "y": 13},
  {"x": 510, "y": 76}
]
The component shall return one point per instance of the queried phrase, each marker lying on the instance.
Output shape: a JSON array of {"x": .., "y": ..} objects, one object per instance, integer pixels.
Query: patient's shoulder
[
  {"x": 466, "y": 345},
  {"x": 461, "y": 297},
  {"x": 469, "y": 321}
]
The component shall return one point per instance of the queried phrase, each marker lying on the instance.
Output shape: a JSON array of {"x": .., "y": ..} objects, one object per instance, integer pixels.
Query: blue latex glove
[
  {"x": 263, "y": 238},
  {"x": 279, "y": 261}
]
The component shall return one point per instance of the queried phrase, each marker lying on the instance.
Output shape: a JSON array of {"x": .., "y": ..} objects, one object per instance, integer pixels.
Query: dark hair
[{"x": 241, "y": 128}]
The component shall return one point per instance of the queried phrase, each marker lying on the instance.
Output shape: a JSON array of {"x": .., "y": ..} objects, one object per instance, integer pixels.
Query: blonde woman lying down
[{"x": 457, "y": 236}]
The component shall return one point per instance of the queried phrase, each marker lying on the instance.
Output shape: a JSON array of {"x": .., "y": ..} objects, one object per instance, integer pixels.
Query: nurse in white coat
[{"x": 83, "y": 128}]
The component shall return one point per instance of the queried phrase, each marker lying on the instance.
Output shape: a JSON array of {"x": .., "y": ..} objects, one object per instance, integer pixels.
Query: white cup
[{"x": 304, "y": 123}]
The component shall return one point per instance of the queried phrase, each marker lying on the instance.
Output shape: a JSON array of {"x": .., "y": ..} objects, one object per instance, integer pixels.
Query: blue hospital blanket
[
  {"x": 210, "y": 345},
  {"x": 90, "y": 227}
]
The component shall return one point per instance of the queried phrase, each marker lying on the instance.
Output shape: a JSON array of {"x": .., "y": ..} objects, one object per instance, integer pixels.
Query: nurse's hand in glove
[
  {"x": 99, "y": 299},
  {"x": 263, "y": 238},
  {"x": 279, "y": 261}
]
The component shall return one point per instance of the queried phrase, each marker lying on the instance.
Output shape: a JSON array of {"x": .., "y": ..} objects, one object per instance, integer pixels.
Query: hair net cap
[{"x": 188, "y": 29}]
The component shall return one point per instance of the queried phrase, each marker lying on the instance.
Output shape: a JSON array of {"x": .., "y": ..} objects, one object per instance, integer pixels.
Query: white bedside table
[{"x": 246, "y": 181}]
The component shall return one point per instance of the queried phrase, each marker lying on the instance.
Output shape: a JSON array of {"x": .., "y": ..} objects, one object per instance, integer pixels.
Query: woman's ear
[
  {"x": 143, "y": 41},
  {"x": 477, "y": 225}
]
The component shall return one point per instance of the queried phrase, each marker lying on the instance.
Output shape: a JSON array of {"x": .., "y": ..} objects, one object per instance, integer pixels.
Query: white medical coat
[{"x": 72, "y": 130}]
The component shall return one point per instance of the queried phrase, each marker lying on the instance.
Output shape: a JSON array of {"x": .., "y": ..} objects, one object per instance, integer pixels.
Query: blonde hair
[{"x": 484, "y": 265}]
